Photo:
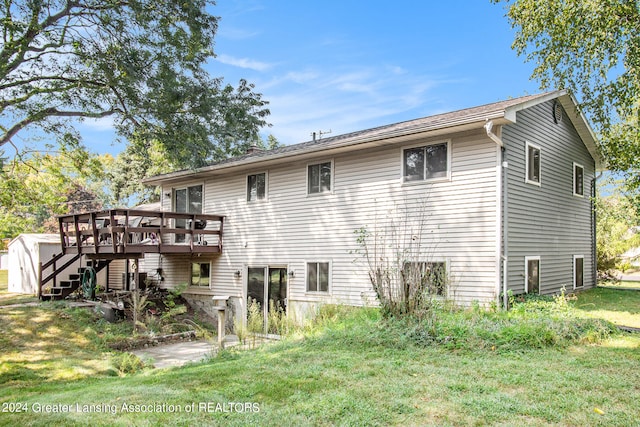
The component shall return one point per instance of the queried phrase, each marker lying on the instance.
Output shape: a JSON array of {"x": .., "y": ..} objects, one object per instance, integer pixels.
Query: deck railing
[{"x": 130, "y": 231}]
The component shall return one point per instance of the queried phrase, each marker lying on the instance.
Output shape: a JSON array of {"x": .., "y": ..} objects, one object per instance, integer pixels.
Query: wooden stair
[{"x": 63, "y": 288}]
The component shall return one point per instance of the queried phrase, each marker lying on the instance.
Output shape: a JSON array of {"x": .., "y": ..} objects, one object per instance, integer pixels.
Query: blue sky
[{"x": 350, "y": 65}]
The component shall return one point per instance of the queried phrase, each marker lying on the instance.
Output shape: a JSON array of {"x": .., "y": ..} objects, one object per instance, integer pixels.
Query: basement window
[
  {"x": 426, "y": 277},
  {"x": 532, "y": 274},
  {"x": 318, "y": 277},
  {"x": 200, "y": 274},
  {"x": 578, "y": 271}
]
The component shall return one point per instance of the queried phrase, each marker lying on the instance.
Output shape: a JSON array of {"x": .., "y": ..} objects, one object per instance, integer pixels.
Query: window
[
  {"x": 318, "y": 277},
  {"x": 256, "y": 187},
  {"x": 186, "y": 200},
  {"x": 200, "y": 274},
  {"x": 578, "y": 271},
  {"x": 578, "y": 180},
  {"x": 319, "y": 178},
  {"x": 425, "y": 163},
  {"x": 532, "y": 275},
  {"x": 430, "y": 277},
  {"x": 532, "y": 164}
]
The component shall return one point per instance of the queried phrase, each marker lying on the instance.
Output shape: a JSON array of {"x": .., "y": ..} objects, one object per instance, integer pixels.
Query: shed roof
[{"x": 38, "y": 238}]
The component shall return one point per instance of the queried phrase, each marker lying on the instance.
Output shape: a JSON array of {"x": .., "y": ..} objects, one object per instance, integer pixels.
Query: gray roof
[{"x": 502, "y": 112}]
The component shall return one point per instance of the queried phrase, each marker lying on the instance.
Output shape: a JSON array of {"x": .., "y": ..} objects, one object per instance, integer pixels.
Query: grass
[
  {"x": 619, "y": 306},
  {"x": 7, "y": 298},
  {"x": 621, "y": 285},
  {"x": 352, "y": 368}
]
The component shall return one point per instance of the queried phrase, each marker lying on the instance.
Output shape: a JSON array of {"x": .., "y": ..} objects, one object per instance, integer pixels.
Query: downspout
[
  {"x": 594, "y": 222},
  {"x": 503, "y": 187}
]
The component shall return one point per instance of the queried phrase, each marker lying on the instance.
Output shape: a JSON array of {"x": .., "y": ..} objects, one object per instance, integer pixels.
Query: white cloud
[
  {"x": 302, "y": 102},
  {"x": 243, "y": 62},
  {"x": 236, "y": 33},
  {"x": 104, "y": 124}
]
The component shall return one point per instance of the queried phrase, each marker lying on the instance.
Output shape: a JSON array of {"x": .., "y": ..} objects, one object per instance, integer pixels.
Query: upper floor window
[
  {"x": 256, "y": 187},
  {"x": 533, "y": 164},
  {"x": 425, "y": 163},
  {"x": 578, "y": 180},
  {"x": 319, "y": 178},
  {"x": 186, "y": 200}
]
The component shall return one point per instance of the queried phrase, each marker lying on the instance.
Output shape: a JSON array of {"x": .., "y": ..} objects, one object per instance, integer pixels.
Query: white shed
[
  {"x": 4, "y": 260},
  {"x": 25, "y": 253}
]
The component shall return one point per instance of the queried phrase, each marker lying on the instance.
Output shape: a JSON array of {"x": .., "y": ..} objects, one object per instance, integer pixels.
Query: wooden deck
[{"x": 129, "y": 233}]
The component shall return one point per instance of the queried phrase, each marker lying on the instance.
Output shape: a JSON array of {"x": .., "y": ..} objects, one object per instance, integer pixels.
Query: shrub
[
  {"x": 127, "y": 363},
  {"x": 535, "y": 322}
]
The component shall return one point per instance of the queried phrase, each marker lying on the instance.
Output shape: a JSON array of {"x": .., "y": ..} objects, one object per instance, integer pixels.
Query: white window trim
[
  {"x": 266, "y": 187},
  {"x": 191, "y": 285},
  {"x": 173, "y": 204},
  {"x": 430, "y": 180},
  {"x": 306, "y": 282},
  {"x": 526, "y": 164},
  {"x": 526, "y": 273},
  {"x": 573, "y": 171},
  {"x": 306, "y": 171},
  {"x": 574, "y": 271},
  {"x": 186, "y": 187}
]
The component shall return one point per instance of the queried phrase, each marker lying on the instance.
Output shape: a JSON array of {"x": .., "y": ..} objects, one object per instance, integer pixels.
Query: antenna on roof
[{"x": 320, "y": 133}]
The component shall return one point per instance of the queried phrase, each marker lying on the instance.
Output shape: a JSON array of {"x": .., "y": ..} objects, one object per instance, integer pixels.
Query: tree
[
  {"x": 591, "y": 48},
  {"x": 138, "y": 61},
  {"x": 34, "y": 189},
  {"x": 616, "y": 220}
]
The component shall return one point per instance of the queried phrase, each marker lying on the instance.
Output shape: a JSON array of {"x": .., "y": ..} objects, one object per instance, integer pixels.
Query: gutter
[
  {"x": 502, "y": 225},
  {"x": 336, "y": 143}
]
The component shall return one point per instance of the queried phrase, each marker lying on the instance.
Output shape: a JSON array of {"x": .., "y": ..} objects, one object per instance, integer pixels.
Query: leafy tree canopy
[
  {"x": 138, "y": 61},
  {"x": 35, "y": 189},
  {"x": 591, "y": 48}
]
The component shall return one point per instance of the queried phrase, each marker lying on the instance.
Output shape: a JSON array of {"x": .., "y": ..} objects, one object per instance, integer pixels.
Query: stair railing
[{"x": 56, "y": 270}]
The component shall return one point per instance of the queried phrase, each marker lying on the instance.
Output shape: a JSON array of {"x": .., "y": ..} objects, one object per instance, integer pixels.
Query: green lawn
[
  {"x": 619, "y": 306},
  {"x": 7, "y": 298},
  {"x": 355, "y": 369},
  {"x": 621, "y": 285}
]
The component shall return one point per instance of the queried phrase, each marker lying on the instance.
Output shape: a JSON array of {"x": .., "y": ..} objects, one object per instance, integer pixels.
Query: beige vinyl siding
[
  {"x": 292, "y": 227},
  {"x": 548, "y": 220},
  {"x": 116, "y": 270}
]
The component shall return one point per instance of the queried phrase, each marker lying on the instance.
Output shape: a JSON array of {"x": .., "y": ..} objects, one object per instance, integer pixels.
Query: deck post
[
  {"x": 79, "y": 242},
  {"x": 39, "y": 290}
]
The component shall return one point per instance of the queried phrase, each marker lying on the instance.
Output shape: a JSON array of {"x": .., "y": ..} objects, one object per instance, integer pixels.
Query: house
[{"x": 506, "y": 187}]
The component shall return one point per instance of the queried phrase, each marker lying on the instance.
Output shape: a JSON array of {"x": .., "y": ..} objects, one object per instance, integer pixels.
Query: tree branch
[{"x": 52, "y": 112}]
